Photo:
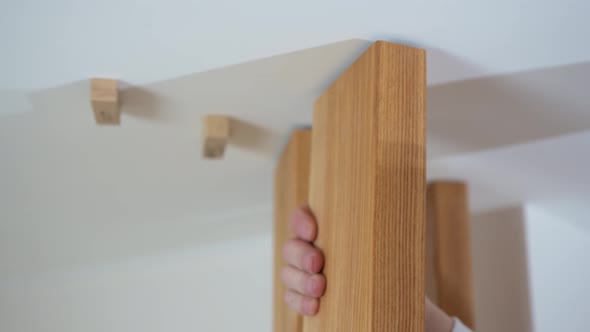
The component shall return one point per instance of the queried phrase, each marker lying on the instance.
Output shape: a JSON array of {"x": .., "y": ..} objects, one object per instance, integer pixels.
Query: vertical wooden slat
[
  {"x": 448, "y": 223},
  {"x": 367, "y": 190},
  {"x": 290, "y": 191}
]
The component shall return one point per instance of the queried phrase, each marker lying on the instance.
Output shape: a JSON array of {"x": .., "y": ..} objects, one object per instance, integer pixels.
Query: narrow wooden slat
[
  {"x": 367, "y": 190},
  {"x": 448, "y": 223},
  {"x": 290, "y": 191}
]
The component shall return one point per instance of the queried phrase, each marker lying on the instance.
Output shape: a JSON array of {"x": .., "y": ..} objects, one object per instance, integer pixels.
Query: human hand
[
  {"x": 302, "y": 278},
  {"x": 305, "y": 284}
]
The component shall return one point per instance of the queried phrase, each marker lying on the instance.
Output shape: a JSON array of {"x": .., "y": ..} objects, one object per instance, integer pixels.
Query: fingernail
[
  {"x": 313, "y": 285},
  {"x": 301, "y": 219},
  {"x": 310, "y": 306},
  {"x": 311, "y": 261},
  {"x": 306, "y": 229}
]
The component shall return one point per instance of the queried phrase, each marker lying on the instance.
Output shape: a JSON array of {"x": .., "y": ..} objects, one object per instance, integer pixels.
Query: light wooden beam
[
  {"x": 104, "y": 98},
  {"x": 450, "y": 240},
  {"x": 216, "y": 131},
  {"x": 367, "y": 190},
  {"x": 290, "y": 191}
]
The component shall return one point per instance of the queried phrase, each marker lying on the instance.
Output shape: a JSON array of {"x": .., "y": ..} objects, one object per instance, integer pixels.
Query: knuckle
[
  {"x": 288, "y": 249},
  {"x": 288, "y": 298},
  {"x": 285, "y": 274},
  {"x": 291, "y": 299}
]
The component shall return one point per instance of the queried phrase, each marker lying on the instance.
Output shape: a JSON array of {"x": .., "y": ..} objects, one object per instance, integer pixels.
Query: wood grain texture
[
  {"x": 290, "y": 191},
  {"x": 367, "y": 191},
  {"x": 449, "y": 225},
  {"x": 104, "y": 98},
  {"x": 216, "y": 131}
]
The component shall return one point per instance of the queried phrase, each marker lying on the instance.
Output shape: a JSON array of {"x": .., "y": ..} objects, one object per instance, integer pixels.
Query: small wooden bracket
[
  {"x": 216, "y": 131},
  {"x": 104, "y": 98}
]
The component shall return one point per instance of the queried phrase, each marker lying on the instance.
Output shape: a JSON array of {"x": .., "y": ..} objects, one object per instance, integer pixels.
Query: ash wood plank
[
  {"x": 449, "y": 226},
  {"x": 367, "y": 190},
  {"x": 290, "y": 191}
]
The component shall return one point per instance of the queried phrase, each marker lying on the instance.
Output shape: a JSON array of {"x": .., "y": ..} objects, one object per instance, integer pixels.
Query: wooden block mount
[
  {"x": 104, "y": 98},
  {"x": 216, "y": 131}
]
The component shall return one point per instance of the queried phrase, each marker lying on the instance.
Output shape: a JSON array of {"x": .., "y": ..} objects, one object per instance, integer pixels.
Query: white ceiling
[
  {"x": 507, "y": 111},
  {"x": 49, "y": 43}
]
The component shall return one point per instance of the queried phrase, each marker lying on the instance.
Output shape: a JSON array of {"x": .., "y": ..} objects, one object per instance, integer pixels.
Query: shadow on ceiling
[{"x": 517, "y": 108}]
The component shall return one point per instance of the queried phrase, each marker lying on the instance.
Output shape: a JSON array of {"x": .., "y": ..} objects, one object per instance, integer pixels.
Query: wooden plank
[
  {"x": 216, "y": 131},
  {"x": 367, "y": 190},
  {"x": 290, "y": 191},
  {"x": 104, "y": 98},
  {"x": 448, "y": 222}
]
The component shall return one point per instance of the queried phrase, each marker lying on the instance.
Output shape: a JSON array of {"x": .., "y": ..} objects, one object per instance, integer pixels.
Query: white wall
[
  {"x": 559, "y": 261},
  {"x": 531, "y": 271},
  {"x": 220, "y": 287},
  {"x": 501, "y": 276}
]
